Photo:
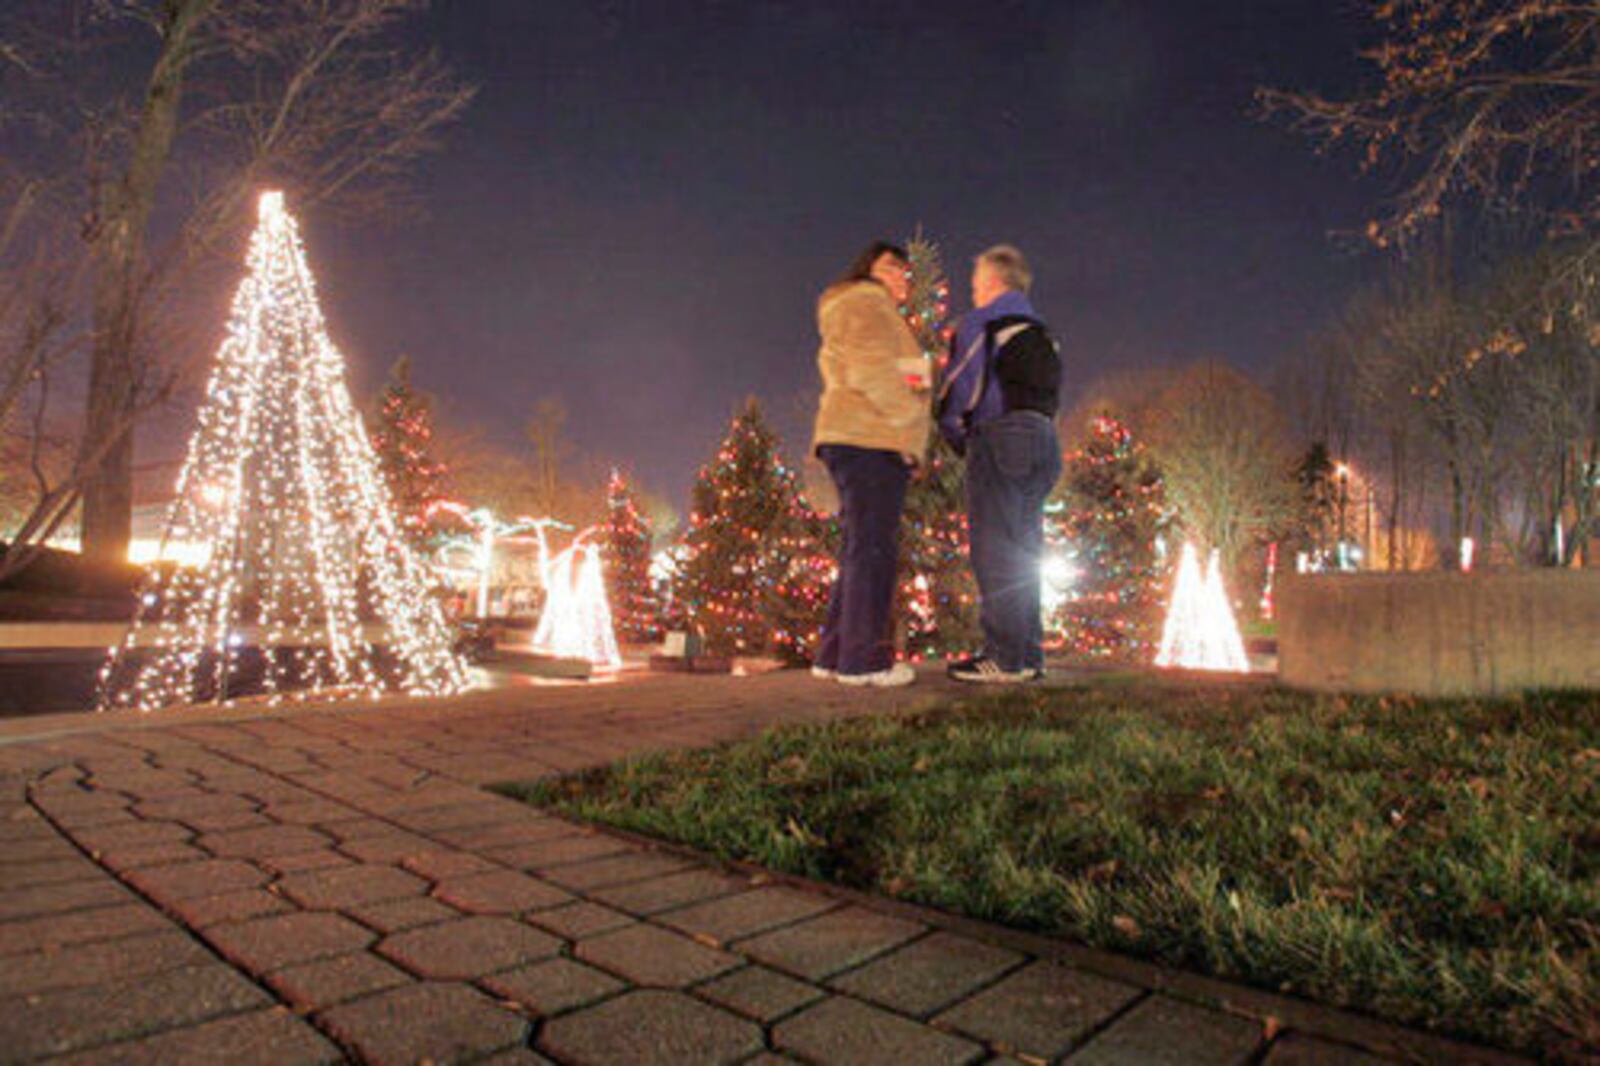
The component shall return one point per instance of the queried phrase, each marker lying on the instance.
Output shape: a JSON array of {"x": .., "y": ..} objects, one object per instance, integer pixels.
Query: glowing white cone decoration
[
  {"x": 576, "y": 623},
  {"x": 281, "y": 494},
  {"x": 1200, "y": 632}
]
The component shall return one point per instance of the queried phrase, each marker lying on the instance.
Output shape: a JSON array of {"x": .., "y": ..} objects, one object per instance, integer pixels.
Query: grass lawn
[{"x": 1433, "y": 862}]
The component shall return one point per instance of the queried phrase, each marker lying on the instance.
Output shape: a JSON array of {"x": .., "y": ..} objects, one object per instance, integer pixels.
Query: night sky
[{"x": 640, "y": 208}]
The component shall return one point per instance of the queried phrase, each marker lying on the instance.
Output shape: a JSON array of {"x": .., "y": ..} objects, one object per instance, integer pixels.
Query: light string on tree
[
  {"x": 300, "y": 551},
  {"x": 757, "y": 562},
  {"x": 635, "y": 606},
  {"x": 1112, "y": 514}
]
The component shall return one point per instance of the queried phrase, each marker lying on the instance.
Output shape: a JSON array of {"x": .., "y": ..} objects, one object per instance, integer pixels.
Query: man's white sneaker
[
  {"x": 981, "y": 670},
  {"x": 897, "y": 675},
  {"x": 822, "y": 673}
]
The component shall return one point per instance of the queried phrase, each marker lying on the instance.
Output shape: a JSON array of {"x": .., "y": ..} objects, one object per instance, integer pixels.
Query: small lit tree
[
  {"x": 403, "y": 438},
  {"x": 1110, "y": 510},
  {"x": 754, "y": 576},
  {"x": 635, "y": 608}
]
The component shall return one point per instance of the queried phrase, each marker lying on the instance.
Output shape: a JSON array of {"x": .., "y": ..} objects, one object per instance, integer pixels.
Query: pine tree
[
  {"x": 757, "y": 566},
  {"x": 1111, "y": 512},
  {"x": 635, "y": 607},
  {"x": 403, "y": 439},
  {"x": 281, "y": 498},
  {"x": 936, "y": 594}
]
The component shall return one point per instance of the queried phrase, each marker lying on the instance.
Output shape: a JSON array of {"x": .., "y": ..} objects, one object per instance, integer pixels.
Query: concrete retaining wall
[{"x": 1440, "y": 633}]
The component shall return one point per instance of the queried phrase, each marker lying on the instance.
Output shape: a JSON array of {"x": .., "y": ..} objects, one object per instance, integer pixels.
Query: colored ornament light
[
  {"x": 1268, "y": 600},
  {"x": 300, "y": 552},
  {"x": 1200, "y": 631}
]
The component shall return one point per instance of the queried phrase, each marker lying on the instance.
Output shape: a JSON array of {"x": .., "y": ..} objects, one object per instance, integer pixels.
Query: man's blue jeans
[
  {"x": 1012, "y": 464},
  {"x": 857, "y": 639}
]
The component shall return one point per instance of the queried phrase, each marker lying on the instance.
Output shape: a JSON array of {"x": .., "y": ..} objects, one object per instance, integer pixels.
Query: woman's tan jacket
[{"x": 866, "y": 401}]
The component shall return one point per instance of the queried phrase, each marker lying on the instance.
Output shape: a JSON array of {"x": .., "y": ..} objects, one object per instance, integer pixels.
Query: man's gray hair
[{"x": 1010, "y": 266}]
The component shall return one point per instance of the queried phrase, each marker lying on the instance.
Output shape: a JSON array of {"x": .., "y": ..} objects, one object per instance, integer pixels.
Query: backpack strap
[{"x": 997, "y": 333}]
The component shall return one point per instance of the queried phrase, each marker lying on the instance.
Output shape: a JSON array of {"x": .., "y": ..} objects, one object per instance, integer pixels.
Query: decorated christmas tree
[
  {"x": 936, "y": 595},
  {"x": 1110, "y": 512},
  {"x": 403, "y": 439},
  {"x": 635, "y": 607},
  {"x": 757, "y": 567},
  {"x": 306, "y": 583}
]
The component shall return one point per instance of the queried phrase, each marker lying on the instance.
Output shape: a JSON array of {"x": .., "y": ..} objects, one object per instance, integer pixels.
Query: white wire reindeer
[{"x": 576, "y": 623}]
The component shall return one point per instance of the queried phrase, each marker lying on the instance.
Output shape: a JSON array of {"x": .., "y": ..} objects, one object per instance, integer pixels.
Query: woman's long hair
[{"x": 861, "y": 266}]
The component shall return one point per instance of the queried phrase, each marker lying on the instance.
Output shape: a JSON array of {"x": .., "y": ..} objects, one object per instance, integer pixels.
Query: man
[{"x": 997, "y": 406}]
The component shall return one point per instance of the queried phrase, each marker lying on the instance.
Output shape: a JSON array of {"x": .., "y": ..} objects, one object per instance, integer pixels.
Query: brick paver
[
  {"x": 829, "y": 943},
  {"x": 467, "y": 948},
  {"x": 350, "y": 886},
  {"x": 648, "y": 955},
  {"x": 100, "y": 962},
  {"x": 499, "y": 892},
  {"x": 311, "y": 885},
  {"x": 266, "y": 944},
  {"x": 929, "y": 974},
  {"x": 1042, "y": 1010},
  {"x": 850, "y": 1033},
  {"x": 728, "y": 919},
  {"x": 53, "y": 931},
  {"x": 1166, "y": 1032},
  {"x": 260, "y": 1038},
  {"x": 334, "y": 980},
  {"x": 577, "y": 921},
  {"x": 431, "y": 1021},
  {"x": 760, "y": 993},
  {"x": 554, "y": 985},
  {"x": 651, "y": 1028},
  {"x": 51, "y": 1023},
  {"x": 209, "y": 877}
]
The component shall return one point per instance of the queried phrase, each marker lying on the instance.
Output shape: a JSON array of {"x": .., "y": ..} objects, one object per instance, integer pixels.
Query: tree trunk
[
  {"x": 122, "y": 215},
  {"x": 1397, "y": 474}
]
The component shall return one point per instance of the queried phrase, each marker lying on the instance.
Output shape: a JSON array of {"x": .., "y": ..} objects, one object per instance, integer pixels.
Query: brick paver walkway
[{"x": 320, "y": 886}]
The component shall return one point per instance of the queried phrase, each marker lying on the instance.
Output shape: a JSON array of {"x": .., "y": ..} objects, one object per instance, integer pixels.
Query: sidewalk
[{"x": 309, "y": 885}]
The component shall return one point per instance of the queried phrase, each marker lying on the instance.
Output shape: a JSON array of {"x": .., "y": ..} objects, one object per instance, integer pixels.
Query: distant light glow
[
  {"x": 1057, "y": 576},
  {"x": 1200, "y": 632}
]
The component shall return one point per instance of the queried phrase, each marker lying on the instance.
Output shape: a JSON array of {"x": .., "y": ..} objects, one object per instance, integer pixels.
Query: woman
[{"x": 872, "y": 428}]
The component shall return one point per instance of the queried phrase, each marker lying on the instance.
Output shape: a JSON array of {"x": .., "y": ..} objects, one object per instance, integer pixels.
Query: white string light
[
  {"x": 576, "y": 623},
  {"x": 300, "y": 547},
  {"x": 1200, "y": 632}
]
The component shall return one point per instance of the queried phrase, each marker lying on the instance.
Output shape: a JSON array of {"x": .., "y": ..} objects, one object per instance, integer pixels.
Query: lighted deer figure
[{"x": 576, "y": 623}]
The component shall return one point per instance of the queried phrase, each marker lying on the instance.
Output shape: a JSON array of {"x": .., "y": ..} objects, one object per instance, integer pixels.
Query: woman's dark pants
[{"x": 857, "y": 638}]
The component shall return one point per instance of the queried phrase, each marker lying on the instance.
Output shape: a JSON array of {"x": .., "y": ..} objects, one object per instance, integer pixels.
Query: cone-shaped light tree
[
  {"x": 282, "y": 499},
  {"x": 1200, "y": 632}
]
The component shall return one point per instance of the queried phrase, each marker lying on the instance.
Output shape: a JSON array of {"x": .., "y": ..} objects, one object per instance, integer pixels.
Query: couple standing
[{"x": 996, "y": 405}]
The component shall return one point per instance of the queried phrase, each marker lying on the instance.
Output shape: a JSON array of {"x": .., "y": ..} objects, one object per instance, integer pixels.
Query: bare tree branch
[{"x": 1492, "y": 100}]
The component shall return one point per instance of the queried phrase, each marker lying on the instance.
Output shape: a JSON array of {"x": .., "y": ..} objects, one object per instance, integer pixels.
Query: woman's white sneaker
[
  {"x": 895, "y": 676},
  {"x": 822, "y": 673}
]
